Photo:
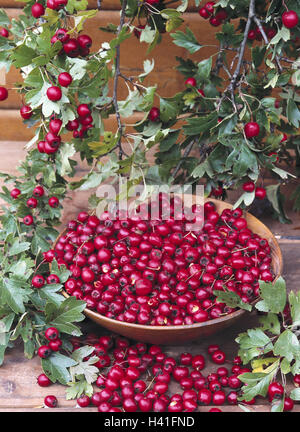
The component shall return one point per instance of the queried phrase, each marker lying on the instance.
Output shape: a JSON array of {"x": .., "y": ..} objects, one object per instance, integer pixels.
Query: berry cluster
[
  {"x": 215, "y": 15},
  {"x": 137, "y": 377},
  {"x": 54, "y": 343},
  {"x": 260, "y": 192},
  {"x": 158, "y": 272},
  {"x": 34, "y": 202}
]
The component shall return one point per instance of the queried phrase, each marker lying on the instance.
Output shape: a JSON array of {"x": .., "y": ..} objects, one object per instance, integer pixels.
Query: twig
[
  {"x": 117, "y": 74},
  {"x": 265, "y": 38},
  {"x": 235, "y": 75},
  {"x": 185, "y": 154},
  {"x": 99, "y": 4}
]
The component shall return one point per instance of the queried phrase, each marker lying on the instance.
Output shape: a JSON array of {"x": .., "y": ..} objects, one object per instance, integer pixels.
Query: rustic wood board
[{"x": 20, "y": 392}]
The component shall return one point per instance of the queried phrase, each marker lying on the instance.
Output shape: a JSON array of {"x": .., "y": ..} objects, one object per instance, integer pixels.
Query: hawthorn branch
[
  {"x": 235, "y": 75},
  {"x": 99, "y": 4},
  {"x": 265, "y": 38},
  {"x": 116, "y": 81}
]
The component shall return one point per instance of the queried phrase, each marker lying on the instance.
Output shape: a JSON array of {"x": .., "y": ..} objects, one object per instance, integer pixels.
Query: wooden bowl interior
[{"x": 177, "y": 335}]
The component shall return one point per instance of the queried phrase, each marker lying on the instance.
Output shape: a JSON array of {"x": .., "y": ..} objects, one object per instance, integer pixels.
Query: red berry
[
  {"x": 191, "y": 82},
  {"x": 54, "y": 93},
  {"x": 26, "y": 112},
  {"x": 204, "y": 13},
  {"x": 83, "y": 110},
  {"x": 275, "y": 391},
  {"x": 53, "y": 202},
  {"x": 14, "y": 193},
  {"x": 55, "y": 126},
  {"x": 290, "y": 19},
  {"x": 84, "y": 41},
  {"x": 249, "y": 186},
  {"x": 4, "y": 32},
  {"x": 251, "y": 129},
  {"x": 62, "y": 35},
  {"x": 38, "y": 281},
  {"x": 218, "y": 357},
  {"x": 154, "y": 114},
  {"x": 260, "y": 193},
  {"x": 83, "y": 401},
  {"x": 65, "y": 79},
  {"x": 44, "y": 351},
  {"x": 38, "y": 191},
  {"x": 28, "y": 220},
  {"x": 55, "y": 345},
  {"x": 215, "y": 21},
  {"x": 288, "y": 404},
  {"x": 37, "y": 10},
  {"x": 51, "y": 333},
  {"x": 3, "y": 93},
  {"x": 41, "y": 146},
  {"x": 43, "y": 380},
  {"x": 50, "y": 401}
]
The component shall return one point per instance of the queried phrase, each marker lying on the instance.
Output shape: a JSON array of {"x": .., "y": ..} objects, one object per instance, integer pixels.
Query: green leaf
[
  {"x": 273, "y": 296},
  {"x": 197, "y": 125},
  {"x": 294, "y": 301},
  {"x": 270, "y": 322},
  {"x": 22, "y": 56},
  {"x": 65, "y": 315},
  {"x": 15, "y": 293},
  {"x": 204, "y": 68},
  {"x": 18, "y": 247},
  {"x": 232, "y": 300},
  {"x": 295, "y": 394},
  {"x": 257, "y": 384},
  {"x": 56, "y": 367},
  {"x": 78, "y": 388},
  {"x": 186, "y": 40},
  {"x": 287, "y": 345},
  {"x": 293, "y": 113}
]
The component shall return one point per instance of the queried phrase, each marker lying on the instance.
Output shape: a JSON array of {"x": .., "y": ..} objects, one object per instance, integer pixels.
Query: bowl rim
[{"x": 171, "y": 328}]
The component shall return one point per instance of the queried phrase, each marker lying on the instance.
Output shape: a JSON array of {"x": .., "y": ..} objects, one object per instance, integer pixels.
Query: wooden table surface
[{"x": 20, "y": 392}]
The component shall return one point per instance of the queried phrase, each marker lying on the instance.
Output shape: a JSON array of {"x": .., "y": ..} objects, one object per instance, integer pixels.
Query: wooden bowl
[{"x": 177, "y": 335}]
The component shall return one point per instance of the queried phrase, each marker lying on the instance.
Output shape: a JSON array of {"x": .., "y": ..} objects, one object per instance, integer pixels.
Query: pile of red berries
[
  {"x": 158, "y": 272},
  {"x": 216, "y": 16},
  {"x": 137, "y": 377},
  {"x": 34, "y": 202}
]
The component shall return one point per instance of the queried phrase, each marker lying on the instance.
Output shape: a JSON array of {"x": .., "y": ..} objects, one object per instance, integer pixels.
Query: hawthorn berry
[
  {"x": 154, "y": 114},
  {"x": 251, "y": 129},
  {"x": 191, "y": 82},
  {"x": 54, "y": 93},
  {"x": 65, "y": 79},
  {"x": 50, "y": 401},
  {"x": 44, "y": 351},
  {"x": 43, "y": 380},
  {"x": 3, "y": 93},
  {"x": 4, "y": 32},
  {"x": 53, "y": 202},
  {"x": 28, "y": 220},
  {"x": 290, "y": 19},
  {"x": 37, "y": 10},
  {"x": 26, "y": 112},
  {"x": 14, "y": 193}
]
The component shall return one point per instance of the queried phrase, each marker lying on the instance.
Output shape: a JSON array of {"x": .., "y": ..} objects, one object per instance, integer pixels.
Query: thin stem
[
  {"x": 265, "y": 38},
  {"x": 235, "y": 75},
  {"x": 185, "y": 154}
]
